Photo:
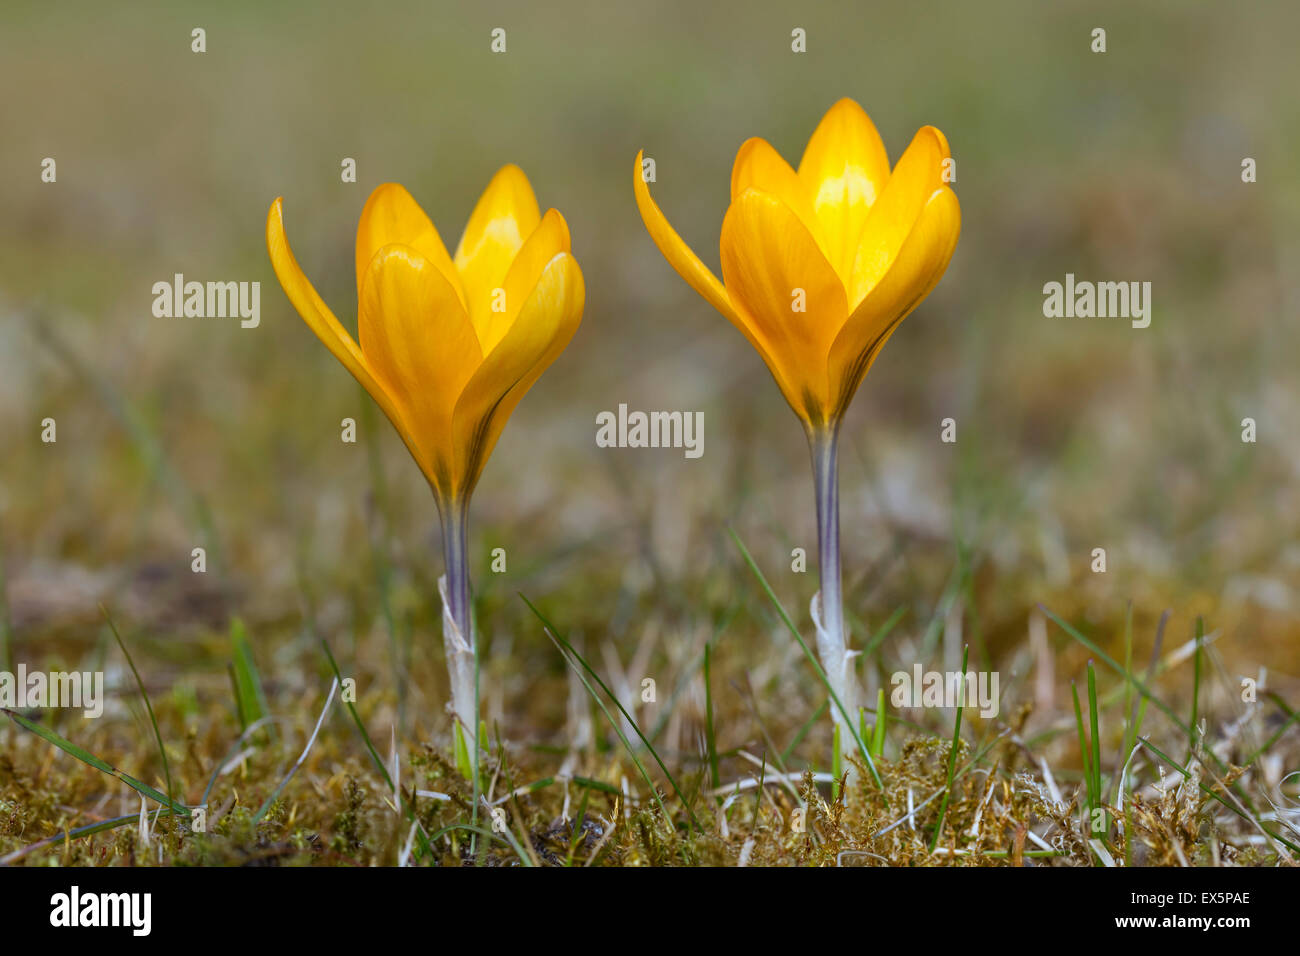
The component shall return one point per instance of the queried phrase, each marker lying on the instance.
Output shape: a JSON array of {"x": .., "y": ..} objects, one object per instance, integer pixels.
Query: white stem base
[
  {"x": 460, "y": 670},
  {"x": 837, "y": 661}
]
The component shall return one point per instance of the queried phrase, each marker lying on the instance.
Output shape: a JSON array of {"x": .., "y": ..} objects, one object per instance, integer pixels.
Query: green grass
[
  {"x": 153, "y": 720},
  {"x": 952, "y": 759},
  {"x": 821, "y": 674},
  {"x": 928, "y": 790}
]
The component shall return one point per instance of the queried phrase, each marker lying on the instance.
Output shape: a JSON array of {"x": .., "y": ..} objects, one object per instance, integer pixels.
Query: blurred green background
[{"x": 1073, "y": 433}]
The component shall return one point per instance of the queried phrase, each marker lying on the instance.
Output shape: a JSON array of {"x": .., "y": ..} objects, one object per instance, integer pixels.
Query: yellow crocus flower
[
  {"x": 820, "y": 264},
  {"x": 863, "y": 245},
  {"x": 448, "y": 345}
]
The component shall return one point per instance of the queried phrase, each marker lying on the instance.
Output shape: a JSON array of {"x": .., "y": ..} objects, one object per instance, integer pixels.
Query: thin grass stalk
[
  {"x": 162, "y": 749},
  {"x": 952, "y": 760},
  {"x": 812, "y": 659}
]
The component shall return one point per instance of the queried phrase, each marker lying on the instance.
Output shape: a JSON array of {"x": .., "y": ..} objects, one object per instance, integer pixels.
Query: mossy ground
[{"x": 572, "y": 794}]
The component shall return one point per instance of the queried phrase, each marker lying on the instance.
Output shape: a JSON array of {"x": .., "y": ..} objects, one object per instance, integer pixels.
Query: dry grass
[{"x": 573, "y": 795}]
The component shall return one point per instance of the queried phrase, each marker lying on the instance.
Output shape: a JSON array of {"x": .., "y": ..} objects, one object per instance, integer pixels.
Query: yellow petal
[
  {"x": 688, "y": 265},
  {"x": 543, "y": 328},
  {"x": 549, "y": 239},
  {"x": 421, "y": 345},
  {"x": 679, "y": 255},
  {"x": 393, "y": 216},
  {"x": 506, "y": 215},
  {"x": 844, "y": 170},
  {"x": 322, "y": 321},
  {"x": 916, "y": 270},
  {"x": 772, "y": 265},
  {"x": 918, "y": 174},
  {"x": 759, "y": 166}
]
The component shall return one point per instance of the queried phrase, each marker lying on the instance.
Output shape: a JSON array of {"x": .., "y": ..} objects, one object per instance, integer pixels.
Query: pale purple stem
[{"x": 832, "y": 641}]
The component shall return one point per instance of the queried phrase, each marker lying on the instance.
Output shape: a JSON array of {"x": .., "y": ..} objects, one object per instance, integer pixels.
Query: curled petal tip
[{"x": 937, "y": 135}]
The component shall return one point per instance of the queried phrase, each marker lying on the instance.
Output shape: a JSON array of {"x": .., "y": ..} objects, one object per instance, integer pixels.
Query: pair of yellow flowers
[{"x": 819, "y": 266}]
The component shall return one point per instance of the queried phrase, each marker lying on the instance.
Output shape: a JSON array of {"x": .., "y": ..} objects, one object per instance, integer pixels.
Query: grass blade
[
  {"x": 248, "y": 683},
  {"x": 803, "y": 730},
  {"x": 1110, "y": 662},
  {"x": 878, "y": 732},
  {"x": 88, "y": 830},
  {"x": 424, "y": 840},
  {"x": 162, "y": 751},
  {"x": 506, "y": 837},
  {"x": 1095, "y": 731},
  {"x": 1292, "y": 717},
  {"x": 221, "y": 764},
  {"x": 952, "y": 757},
  {"x": 356, "y": 718},
  {"x": 882, "y": 632},
  {"x": 1168, "y": 712},
  {"x": 812, "y": 658},
  {"x": 710, "y": 740},
  {"x": 1210, "y": 793},
  {"x": 86, "y": 757},
  {"x": 302, "y": 758},
  {"x": 555, "y": 636},
  {"x": 1085, "y": 749},
  {"x": 1196, "y": 689}
]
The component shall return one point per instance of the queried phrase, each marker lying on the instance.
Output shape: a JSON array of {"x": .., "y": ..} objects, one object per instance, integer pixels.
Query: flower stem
[
  {"x": 458, "y": 618},
  {"x": 455, "y": 549},
  {"x": 828, "y": 606}
]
